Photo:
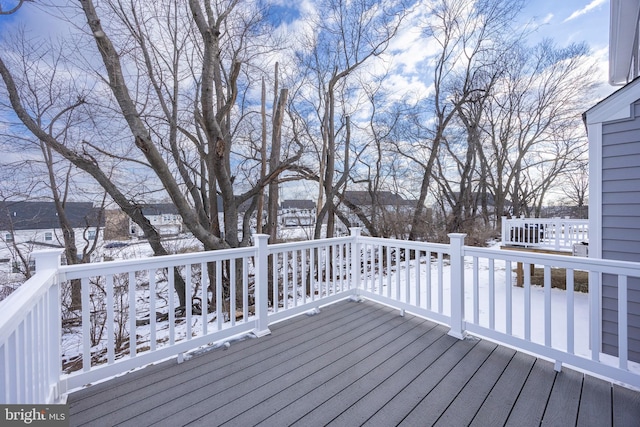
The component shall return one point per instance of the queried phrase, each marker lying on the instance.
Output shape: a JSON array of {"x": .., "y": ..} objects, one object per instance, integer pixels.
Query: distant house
[
  {"x": 614, "y": 174},
  {"x": 26, "y": 226},
  {"x": 388, "y": 200},
  {"x": 163, "y": 216},
  {"x": 382, "y": 207},
  {"x": 297, "y": 213}
]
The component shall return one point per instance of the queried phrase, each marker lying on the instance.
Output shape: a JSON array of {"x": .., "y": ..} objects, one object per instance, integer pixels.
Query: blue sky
[
  {"x": 571, "y": 20},
  {"x": 574, "y": 21},
  {"x": 565, "y": 21}
]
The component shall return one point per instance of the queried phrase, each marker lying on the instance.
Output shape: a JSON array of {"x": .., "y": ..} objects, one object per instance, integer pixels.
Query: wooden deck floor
[{"x": 356, "y": 364}]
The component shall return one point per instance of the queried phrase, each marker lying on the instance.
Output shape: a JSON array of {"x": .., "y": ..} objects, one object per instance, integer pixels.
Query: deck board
[
  {"x": 310, "y": 376},
  {"x": 240, "y": 377},
  {"x": 229, "y": 367},
  {"x": 532, "y": 400},
  {"x": 595, "y": 403},
  {"x": 465, "y": 406},
  {"x": 626, "y": 407},
  {"x": 562, "y": 408},
  {"x": 397, "y": 408},
  {"x": 338, "y": 387},
  {"x": 355, "y": 364},
  {"x": 434, "y": 404},
  {"x": 497, "y": 406},
  {"x": 395, "y": 382}
]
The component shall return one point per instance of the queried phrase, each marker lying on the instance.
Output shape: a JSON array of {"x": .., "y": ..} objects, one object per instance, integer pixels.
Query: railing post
[
  {"x": 49, "y": 259},
  {"x": 559, "y": 230},
  {"x": 457, "y": 285},
  {"x": 261, "y": 285},
  {"x": 355, "y": 260},
  {"x": 505, "y": 240}
]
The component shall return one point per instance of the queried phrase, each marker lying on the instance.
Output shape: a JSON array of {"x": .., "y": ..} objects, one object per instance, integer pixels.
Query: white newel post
[
  {"x": 261, "y": 285},
  {"x": 355, "y": 260},
  {"x": 457, "y": 285},
  {"x": 49, "y": 259},
  {"x": 505, "y": 238}
]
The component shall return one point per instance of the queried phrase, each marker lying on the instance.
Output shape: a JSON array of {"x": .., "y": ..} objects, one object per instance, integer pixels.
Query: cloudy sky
[
  {"x": 564, "y": 21},
  {"x": 573, "y": 21}
]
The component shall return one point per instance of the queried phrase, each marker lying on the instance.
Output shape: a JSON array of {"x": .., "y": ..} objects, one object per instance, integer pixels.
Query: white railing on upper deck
[
  {"x": 551, "y": 233},
  {"x": 307, "y": 273},
  {"x": 30, "y": 336},
  {"x": 130, "y": 315},
  {"x": 409, "y": 275},
  {"x": 478, "y": 295}
]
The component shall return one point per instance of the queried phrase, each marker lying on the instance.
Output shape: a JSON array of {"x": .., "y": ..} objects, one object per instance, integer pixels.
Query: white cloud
[
  {"x": 586, "y": 9},
  {"x": 547, "y": 18}
]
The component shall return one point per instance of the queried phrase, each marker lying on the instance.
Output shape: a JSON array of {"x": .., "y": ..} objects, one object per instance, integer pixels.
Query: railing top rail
[
  {"x": 545, "y": 221},
  {"x": 290, "y": 246},
  {"x": 412, "y": 244},
  {"x": 626, "y": 268},
  {"x": 166, "y": 261}
]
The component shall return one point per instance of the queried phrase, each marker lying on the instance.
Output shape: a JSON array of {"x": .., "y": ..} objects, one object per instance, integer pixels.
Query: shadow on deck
[{"x": 356, "y": 364}]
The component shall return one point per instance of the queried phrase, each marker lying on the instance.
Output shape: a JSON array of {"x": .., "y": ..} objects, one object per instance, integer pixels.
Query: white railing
[
  {"x": 549, "y": 322},
  {"x": 408, "y": 275},
  {"x": 308, "y": 273},
  {"x": 550, "y": 233},
  {"x": 241, "y": 291},
  {"x": 30, "y": 336},
  {"x": 478, "y": 295}
]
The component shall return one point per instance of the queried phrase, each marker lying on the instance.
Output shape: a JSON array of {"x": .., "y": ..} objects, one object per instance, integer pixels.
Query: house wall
[
  {"x": 28, "y": 241},
  {"x": 297, "y": 217},
  {"x": 166, "y": 224},
  {"x": 43, "y": 238},
  {"x": 621, "y": 223}
]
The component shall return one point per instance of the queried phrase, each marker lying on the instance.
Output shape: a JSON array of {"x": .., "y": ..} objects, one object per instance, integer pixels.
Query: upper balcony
[
  {"x": 555, "y": 234},
  {"x": 426, "y": 347}
]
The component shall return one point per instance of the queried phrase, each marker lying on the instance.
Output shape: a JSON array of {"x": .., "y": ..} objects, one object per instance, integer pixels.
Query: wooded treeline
[{"x": 444, "y": 102}]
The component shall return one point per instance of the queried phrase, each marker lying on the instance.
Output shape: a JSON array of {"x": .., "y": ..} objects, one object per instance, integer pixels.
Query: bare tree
[
  {"x": 346, "y": 36},
  {"x": 576, "y": 188},
  {"x": 279, "y": 104},
  {"x": 533, "y": 123},
  {"x": 465, "y": 36},
  {"x": 59, "y": 105},
  {"x": 374, "y": 168},
  {"x": 173, "y": 82},
  {"x": 52, "y": 181},
  {"x": 12, "y": 9}
]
